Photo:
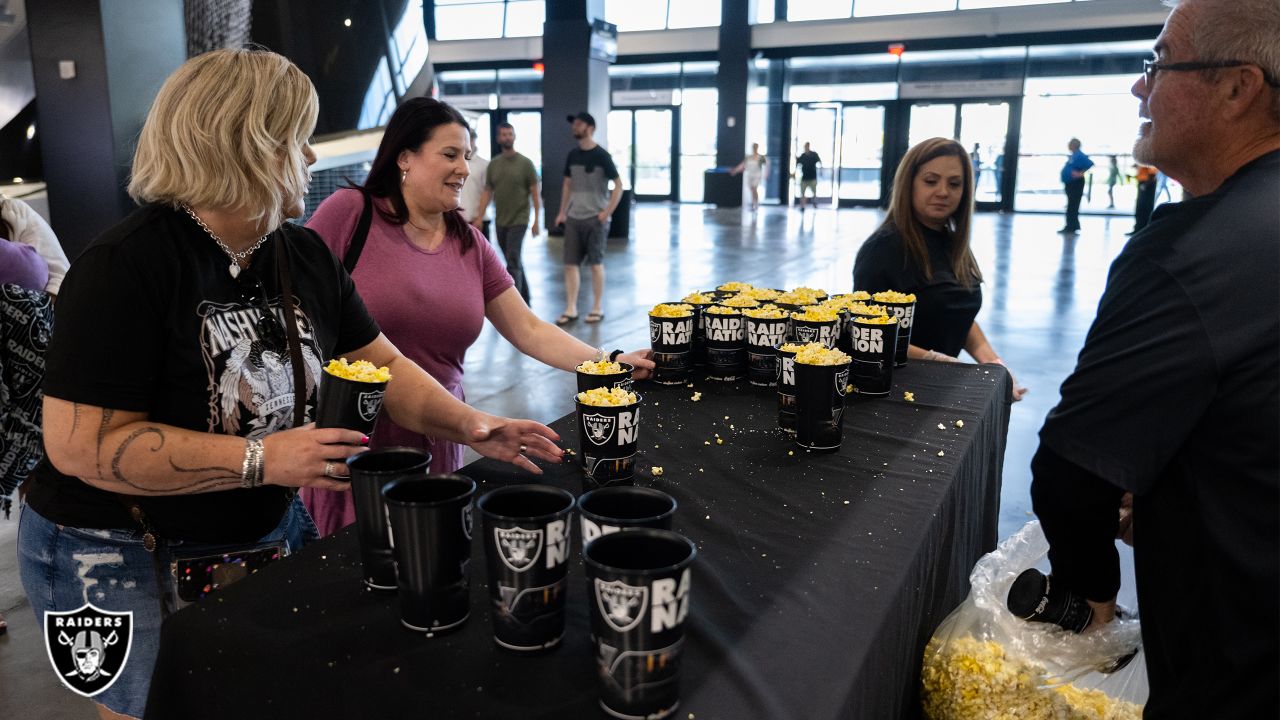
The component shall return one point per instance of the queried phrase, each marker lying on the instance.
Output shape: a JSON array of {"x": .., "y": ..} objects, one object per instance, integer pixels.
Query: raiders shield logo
[
  {"x": 369, "y": 404},
  {"x": 599, "y": 427},
  {"x": 654, "y": 332},
  {"x": 806, "y": 334},
  {"x": 88, "y": 647},
  {"x": 518, "y": 548},
  {"x": 842, "y": 381},
  {"x": 621, "y": 605},
  {"x": 625, "y": 384},
  {"x": 466, "y": 520}
]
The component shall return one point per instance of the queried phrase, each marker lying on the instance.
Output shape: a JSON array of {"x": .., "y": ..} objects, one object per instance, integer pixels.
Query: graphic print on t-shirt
[{"x": 251, "y": 383}]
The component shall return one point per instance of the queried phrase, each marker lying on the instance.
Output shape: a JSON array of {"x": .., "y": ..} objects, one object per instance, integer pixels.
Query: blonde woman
[
  {"x": 923, "y": 248},
  {"x": 183, "y": 333}
]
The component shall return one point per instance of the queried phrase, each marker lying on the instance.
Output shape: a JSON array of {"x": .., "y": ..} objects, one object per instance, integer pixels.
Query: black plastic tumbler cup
[
  {"x": 672, "y": 341},
  {"x": 905, "y": 312},
  {"x": 431, "y": 531},
  {"x": 873, "y": 348},
  {"x": 348, "y": 404},
  {"x": 638, "y": 590},
  {"x": 526, "y": 548},
  {"x": 590, "y": 381},
  {"x": 698, "y": 358},
  {"x": 608, "y": 510},
  {"x": 786, "y": 378},
  {"x": 370, "y": 471},
  {"x": 763, "y": 335},
  {"x": 608, "y": 438},
  {"x": 726, "y": 345},
  {"x": 819, "y": 331},
  {"x": 820, "y": 391}
]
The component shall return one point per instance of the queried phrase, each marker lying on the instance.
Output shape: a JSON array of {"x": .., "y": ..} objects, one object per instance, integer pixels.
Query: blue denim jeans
[{"x": 65, "y": 567}]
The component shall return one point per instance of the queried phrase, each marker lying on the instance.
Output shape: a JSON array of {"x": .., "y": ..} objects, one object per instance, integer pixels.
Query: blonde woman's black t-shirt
[
  {"x": 945, "y": 309},
  {"x": 150, "y": 320}
]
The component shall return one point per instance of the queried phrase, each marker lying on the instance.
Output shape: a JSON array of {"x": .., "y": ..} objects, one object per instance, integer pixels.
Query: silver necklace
[{"x": 236, "y": 257}]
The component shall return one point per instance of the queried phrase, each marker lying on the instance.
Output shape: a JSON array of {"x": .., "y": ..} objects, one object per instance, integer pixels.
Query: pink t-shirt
[{"x": 429, "y": 304}]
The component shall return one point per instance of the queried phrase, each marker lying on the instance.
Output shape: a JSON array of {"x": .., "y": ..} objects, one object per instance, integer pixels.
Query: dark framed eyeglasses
[
  {"x": 270, "y": 332},
  {"x": 1151, "y": 67}
]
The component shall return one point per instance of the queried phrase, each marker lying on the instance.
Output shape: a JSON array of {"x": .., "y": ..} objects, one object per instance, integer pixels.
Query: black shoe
[{"x": 1068, "y": 231}]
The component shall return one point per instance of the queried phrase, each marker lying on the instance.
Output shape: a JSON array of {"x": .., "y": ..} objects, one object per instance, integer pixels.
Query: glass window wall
[
  {"x": 630, "y": 15},
  {"x": 476, "y": 19}
]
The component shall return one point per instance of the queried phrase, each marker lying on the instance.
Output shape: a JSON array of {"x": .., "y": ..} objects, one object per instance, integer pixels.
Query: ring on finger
[
  {"x": 523, "y": 448},
  {"x": 328, "y": 470}
]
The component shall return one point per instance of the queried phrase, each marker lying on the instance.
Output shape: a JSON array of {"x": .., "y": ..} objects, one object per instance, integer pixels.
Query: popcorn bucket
[
  {"x": 763, "y": 336},
  {"x": 430, "y": 521},
  {"x": 588, "y": 381},
  {"x": 811, "y": 331},
  {"x": 873, "y": 348},
  {"x": 785, "y": 374},
  {"x": 616, "y": 508},
  {"x": 905, "y": 312},
  {"x": 726, "y": 346},
  {"x": 348, "y": 404},
  {"x": 608, "y": 437},
  {"x": 638, "y": 585},
  {"x": 672, "y": 342},
  {"x": 820, "y": 392}
]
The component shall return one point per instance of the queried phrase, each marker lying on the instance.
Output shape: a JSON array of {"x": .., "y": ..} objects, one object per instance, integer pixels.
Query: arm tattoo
[
  {"x": 107, "y": 413},
  {"x": 75, "y": 420},
  {"x": 216, "y": 477}
]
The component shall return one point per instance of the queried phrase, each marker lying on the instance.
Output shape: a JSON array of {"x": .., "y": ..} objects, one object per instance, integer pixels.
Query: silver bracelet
[
  {"x": 601, "y": 354},
  {"x": 251, "y": 471}
]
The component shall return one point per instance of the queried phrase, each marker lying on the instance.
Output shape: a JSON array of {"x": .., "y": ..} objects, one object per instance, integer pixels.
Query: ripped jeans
[{"x": 65, "y": 567}]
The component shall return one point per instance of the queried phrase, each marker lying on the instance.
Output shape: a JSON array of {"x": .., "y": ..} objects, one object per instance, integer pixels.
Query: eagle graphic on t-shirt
[{"x": 250, "y": 381}]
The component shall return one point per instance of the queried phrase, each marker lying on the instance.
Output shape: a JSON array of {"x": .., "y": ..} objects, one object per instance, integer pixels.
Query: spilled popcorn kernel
[
  {"x": 959, "y": 423},
  {"x": 656, "y": 470},
  {"x": 909, "y": 396},
  {"x": 719, "y": 441},
  {"x": 941, "y": 453},
  {"x": 696, "y": 396},
  {"x": 941, "y": 426}
]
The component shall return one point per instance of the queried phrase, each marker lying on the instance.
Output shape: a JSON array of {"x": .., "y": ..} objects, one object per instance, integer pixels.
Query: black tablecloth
[{"x": 818, "y": 581}]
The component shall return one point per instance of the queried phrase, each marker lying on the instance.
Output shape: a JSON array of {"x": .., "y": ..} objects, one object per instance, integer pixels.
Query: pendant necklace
[{"x": 236, "y": 257}]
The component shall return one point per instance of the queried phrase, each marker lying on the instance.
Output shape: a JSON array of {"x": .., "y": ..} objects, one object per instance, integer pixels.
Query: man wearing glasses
[{"x": 1175, "y": 400}]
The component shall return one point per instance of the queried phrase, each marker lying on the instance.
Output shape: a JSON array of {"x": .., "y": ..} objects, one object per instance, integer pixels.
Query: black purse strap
[
  {"x": 291, "y": 332},
  {"x": 356, "y": 246}
]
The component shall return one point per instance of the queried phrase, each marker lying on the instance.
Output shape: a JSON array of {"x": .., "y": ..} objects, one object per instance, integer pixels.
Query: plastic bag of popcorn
[{"x": 984, "y": 663}]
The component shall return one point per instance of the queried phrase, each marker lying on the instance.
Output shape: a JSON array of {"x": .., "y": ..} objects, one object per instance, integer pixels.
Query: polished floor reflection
[{"x": 1041, "y": 292}]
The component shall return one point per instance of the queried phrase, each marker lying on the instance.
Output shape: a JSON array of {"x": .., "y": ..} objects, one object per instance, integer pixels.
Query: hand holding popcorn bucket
[
  {"x": 351, "y": 395},
  {"x": 609, "y": 433}
]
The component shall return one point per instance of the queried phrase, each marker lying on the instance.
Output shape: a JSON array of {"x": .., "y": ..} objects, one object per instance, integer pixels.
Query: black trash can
[
  {"x": 620, "y": 221},
  {"x": 722, "y": 188}
]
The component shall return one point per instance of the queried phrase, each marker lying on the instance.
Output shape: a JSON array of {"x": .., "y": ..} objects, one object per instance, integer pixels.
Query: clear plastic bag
[{"x": 984, "y": 663}]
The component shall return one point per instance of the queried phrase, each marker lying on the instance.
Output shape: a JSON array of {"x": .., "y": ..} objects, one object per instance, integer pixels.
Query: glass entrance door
[
  {"x": 861, "y": 152},
  {"x": 982, "y": 127},
  {"x": 816, "y": 125},
  {"x": 640, "y": 142}
]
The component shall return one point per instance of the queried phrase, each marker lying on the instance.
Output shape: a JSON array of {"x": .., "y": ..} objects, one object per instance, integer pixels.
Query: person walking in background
[
  {"x": 1113, "y": 177},
  {"x": 808, "y": 163},
  {"x": 1175, "y": 397},
  {"x": 755, "y": 168},
  {"x": 475, "y": 192},
  {"x": 1146, "y": 176},
  {"x": 512, "y": 182},
  {"x": 586, "y": 204},
  {"x": 976, "y": 156},
  {"x": 1073, "y": 182}
]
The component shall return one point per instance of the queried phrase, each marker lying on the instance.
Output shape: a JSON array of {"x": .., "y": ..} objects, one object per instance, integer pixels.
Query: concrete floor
[{"x": 1041, "y": 292}]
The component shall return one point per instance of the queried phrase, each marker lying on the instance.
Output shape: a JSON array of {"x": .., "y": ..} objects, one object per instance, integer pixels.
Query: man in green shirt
[{"x": 512, "y": 181}]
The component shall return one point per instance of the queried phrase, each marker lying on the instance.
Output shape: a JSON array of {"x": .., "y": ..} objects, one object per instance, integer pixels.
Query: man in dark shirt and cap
[{"x": 1175, "y": 399}]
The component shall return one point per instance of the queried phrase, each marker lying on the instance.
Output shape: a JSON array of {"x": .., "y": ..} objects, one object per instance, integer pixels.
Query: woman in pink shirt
[{"x": 429, "y": 278}]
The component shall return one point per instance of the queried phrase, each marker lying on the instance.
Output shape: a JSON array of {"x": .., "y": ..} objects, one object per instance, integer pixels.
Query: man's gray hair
[{"x": 1243, "y": 30}]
